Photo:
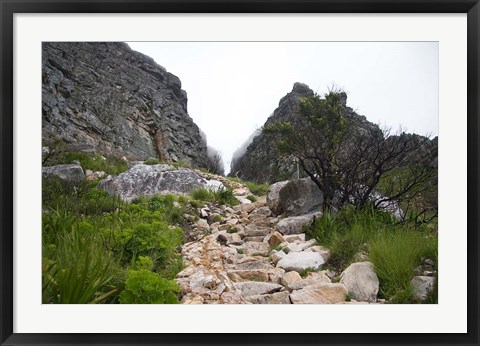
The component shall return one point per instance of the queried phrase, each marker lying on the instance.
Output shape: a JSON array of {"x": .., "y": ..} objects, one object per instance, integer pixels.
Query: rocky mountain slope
[
  {"x": 107, "y": 98},
  {"x": 261, "y": 162}
]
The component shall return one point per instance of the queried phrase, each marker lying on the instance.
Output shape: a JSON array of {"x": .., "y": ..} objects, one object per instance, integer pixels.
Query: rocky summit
[
  {"x": 107, "y": 98},
  {"x": 260, "y": 161}
]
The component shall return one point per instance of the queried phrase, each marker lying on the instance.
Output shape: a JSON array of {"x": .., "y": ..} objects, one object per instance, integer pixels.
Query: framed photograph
[{"x": 246, "y": 172}]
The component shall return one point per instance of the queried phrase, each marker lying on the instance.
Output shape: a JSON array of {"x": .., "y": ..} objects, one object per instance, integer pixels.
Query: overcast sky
[{"x": 233, "y": 87}]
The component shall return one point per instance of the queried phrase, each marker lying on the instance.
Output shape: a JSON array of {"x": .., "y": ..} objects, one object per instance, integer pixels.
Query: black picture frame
[{"x": 9, "y": 7}]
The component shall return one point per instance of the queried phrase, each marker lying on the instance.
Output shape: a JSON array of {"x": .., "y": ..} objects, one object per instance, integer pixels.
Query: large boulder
[
  {"x": 273, "y": 197},
  {"x": 361, "y": 281},
  {"x": 67, "y": 172},
  {"x": 298, "y": 197},
  {"x": 299, "y": 261},
  {"x": 151, "y": 180},
  {"x": 296, "y": 224}
]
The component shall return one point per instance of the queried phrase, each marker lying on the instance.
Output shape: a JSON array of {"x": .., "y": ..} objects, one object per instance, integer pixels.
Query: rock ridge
[{"x": 107, "y": 98}]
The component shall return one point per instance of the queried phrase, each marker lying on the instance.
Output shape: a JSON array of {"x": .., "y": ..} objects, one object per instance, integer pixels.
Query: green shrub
[
  {"x": 201, "y": 194},
  {"x": 151, "y": 161},
  {"x": 215, "y": 195},
  {"x": 111, "y": 240},
  {"x": 304, "y": 272},
  {"x": 224, "y": 196},
  {"x": 76, "y": 268},
  {"x": 395, "y": 257},
  {"x": 145, "y": 287},
  {"x": 257, "y": 189},
  {"x": 80, "y": 198},
  {"x": 144, "y": 263},
  {"x": 154, "y": 239}
]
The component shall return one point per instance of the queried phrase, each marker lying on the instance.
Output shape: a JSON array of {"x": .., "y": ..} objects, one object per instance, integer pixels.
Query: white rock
[
  {"x": 292, "y": 237},
  {"x": 296, "y": 224},
  {"x": 203, "y": 224},
  {"x": 310, "y": 282},
  {"x": 290, "y": 278},
  {"x": 214, "y": 185},
  {"x": 277, "y": 256},
  {"x": 322, "y": 294},
  {"x": 321, "y": 250},
  {"x": 361, "y": 281},
  {"x": 299, "y": 261}
]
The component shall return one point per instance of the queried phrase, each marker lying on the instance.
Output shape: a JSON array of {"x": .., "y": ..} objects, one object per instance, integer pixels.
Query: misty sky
[{"x": 233, "y": 87}]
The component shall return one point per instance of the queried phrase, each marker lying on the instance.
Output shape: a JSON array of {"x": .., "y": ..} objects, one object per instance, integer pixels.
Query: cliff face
[
  {"x": 261, "y": 162},
  {"x": 107, "y": 98}
]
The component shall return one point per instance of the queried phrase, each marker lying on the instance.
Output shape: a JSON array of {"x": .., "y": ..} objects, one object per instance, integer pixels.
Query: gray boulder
[
  {"x": 151, "y": 180},
  {"x": 273, "y": 197},
  {"x": 275, "y": 298},
  {"x": 254, "y": 288},
  {"x": 68, "y": 172},
  {"x": 361, "y": 281},
  {"x": 295, "y": 224},
  {"x": 422, "y": 285},
  {"x": 298, "y": 197},
  {"x": 299, "y": 261}
]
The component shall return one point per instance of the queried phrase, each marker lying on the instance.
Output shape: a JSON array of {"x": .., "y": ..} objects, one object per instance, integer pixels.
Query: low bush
[
  {"x": 395, "y": 257},
  {"x": 110, "y": 165},
  {"x": 257, "y": 189},
  {"x": 88, "y": 247},
  {"x": 215, "y": 195},
  {"x": 76, "y": 267},
  {"x": 151, "y": 161},
  {"x": 201, "y": 194},
  {"x": 79, "y": 198},
  {"x": 145, "y": 287}
]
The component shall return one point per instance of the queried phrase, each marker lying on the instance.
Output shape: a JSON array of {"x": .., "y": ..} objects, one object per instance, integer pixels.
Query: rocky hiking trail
[
  {"x": 253, "y": 256},
  {"x": 253, "y": 252}
]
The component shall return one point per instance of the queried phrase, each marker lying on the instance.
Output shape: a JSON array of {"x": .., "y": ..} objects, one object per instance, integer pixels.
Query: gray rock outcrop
[
  {"x": 65, "y": 172},
  {"x": 107, "y": 98},
  {"x": 260, "y": 161},
  {"x": 151, "y": 180}
]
